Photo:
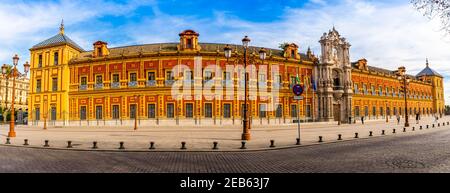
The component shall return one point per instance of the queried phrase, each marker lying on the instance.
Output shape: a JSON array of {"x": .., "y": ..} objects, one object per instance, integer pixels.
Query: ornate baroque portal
[{"x": 335, "y": 84}]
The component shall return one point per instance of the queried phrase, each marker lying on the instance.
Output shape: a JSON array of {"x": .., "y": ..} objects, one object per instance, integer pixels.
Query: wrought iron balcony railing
[
  {"x": 98, "y": 86},
  {"x": 151, "y": 83},
  {"x": 169, "y": 82},
  {"x": 133, "y": 84},
  {"x": 115, "y": 85},
  {"x": 83, "y": 87}
]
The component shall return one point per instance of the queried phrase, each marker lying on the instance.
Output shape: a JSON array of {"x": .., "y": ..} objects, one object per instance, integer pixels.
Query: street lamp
[
  {"x": 136, "y": 111},
  {"x": 45, "y": 114},
  {"x": 404, "y": 80},
  {"x": 338, "y": 96},
  {"x": 262, "y": 55},
  {"x": 14, "y": 73},
  {"x": 386, "y": 103}
]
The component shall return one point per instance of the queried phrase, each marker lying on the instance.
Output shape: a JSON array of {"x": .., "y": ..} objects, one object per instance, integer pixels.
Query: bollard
[
  {"x": 439, "y": 124},
  {"x": 243, "y": 145},
  {"x": 393, "y": 130},
  {"x": 152, "y": 145},
  {"x": 46, "y": 143},
  {"x": 94, "y": 145},
  {"x": 382, "y": 132},
  {"x": 427, "y": 126},
  {"x": 215, "y": 145},
  {"x": 320, "y": 139},
  {"x": 370, "y": 134},
  {"x": 339, "y": 137},
  {"x": 183, "y": 145},
  {"x": 25, "y": 142},
  {"x": 447, "y": 122},
  {"x": 69, "y": 144},
  {"x": 420, "y": 127},
  {"x": 298, "y": 141},
  {"x": 356, "y": 135},
  {"x": 432, "y": 125},
  {"x": 121, "y": 146},
  {"x": 404, "y": 129},
  {"x": 272, "y": 143},
  {"x": 413, "y": 128},
  {"x": 8, "y": 140}
]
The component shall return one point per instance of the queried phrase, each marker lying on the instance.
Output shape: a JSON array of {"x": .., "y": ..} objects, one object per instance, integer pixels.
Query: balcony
[
  {"x": 38, "y": 90},
  {"x": 133, "y": 84},
  {"x": 83, "y": 87},
  {"x": 338, "y": 88},
  {"x": 151, "y": 83},
  {"x": 115, "y": 85},
  {"x": 208, "y": 82},
  {"x": 262, "y": 84},
  {"x": 98, "y": 86},
  {"x": 188, "y": 82},
  {"x": 169, "y": 82}
]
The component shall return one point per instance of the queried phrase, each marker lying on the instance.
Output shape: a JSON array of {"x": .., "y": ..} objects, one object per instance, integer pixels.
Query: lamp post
[
  {"x": 386, "y": 103},
  {"x": 14, "y": 73},
  {"x": 404, "y": 80},
  {"x": 262, "y": 55},
  {"x": 136, "y": 111},
  {"x": 338, "y": 96},
  {"x": 45, "y": 114}
]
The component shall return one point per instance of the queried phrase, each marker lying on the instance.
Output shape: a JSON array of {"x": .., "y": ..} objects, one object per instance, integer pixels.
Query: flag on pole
[
  {"x": 313, "y": 83},
  {"x": 297, "y": 79},
  {"x": 307, "y": 83}
]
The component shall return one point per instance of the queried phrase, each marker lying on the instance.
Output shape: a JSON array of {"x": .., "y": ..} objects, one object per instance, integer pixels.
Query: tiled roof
[
  {"x": 205, "y": 47},
  {"x": 56, "y": 40},
  {"x": 427, "y": 71}
]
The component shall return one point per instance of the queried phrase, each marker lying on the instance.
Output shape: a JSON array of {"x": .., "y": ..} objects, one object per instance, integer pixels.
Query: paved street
[{"x": 418, "y": 151}]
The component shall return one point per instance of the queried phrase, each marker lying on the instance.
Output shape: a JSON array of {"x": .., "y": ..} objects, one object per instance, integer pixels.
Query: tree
[
  {"x": 447, "y": 110},
  {"x": 435, "y": 8}
]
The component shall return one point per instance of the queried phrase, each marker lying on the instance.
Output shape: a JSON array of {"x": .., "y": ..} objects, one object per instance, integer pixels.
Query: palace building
[{"x": 115, "y": 86}]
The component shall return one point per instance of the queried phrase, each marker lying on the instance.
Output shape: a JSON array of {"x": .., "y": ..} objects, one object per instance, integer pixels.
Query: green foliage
[{"x": 283, "y": 45}]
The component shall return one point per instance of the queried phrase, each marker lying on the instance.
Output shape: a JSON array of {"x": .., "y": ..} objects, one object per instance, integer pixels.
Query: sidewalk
[{"x": 168, "y": 138}]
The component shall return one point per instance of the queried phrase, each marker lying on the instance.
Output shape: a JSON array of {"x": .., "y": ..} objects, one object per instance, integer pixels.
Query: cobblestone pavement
[
  {"x": 405, "y": 152},
  {"x": 201, "y": 138}
]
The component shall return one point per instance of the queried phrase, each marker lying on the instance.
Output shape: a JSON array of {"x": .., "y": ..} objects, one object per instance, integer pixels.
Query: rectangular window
[
  {"x": 151, "y": 76},
  {"x": 115, "y": 78},
  {"x": 170, "y": 110},
  {"x": 208, "y": 110},
  {"x": 226, "y": 75},
  {"x": 83, "y": 80},
  {"x": 83, "y": 112},
  {"x": 208, "y": 75},
  {"x": 366, "y": 111},
  {"x": 381, "y": 111},
  {"x": 53, "y": 115},
  {"x": 380, "y": 90},
  {"x": 133, "y": 77},
  {"x": 356, "y": 88},
  {"x": 189, "y": 43},
  {"x": 54, "y": 84},
  {"x": 262, "y": 110},
  {"x": 99, "y": 79},
  {"x": 365, "y": 89},
  {"x": 55, "y": 58},
  {"x": 279, "y": 112},
  {"x": 374, "y": 111},
  {"x": 293, "y": 80},
  {"x": 227, "y": 110},
  {"x": 373, "y": 90},
  {"x": 357, "y": 111},
  {"x": 151, "y": 111},
  {"x": 277, "y": 79},
  {"x": 38, "y": 85},
  {"x": 99, "y": 51},
  {"x": 169, "y": 75},
  {"x": 115, "y": 112},
  {"x": 189, "y": 110},
  {"x": 133, "y": 108},
  {"x": 40, "y": 61},
  {"x": 308, "y": 110},
  {"x": 98, "y": 112},
  {"x": 262, "y": 78},
  {"x": 37, "y": 115},
  {"x": 293, "y": 110}
]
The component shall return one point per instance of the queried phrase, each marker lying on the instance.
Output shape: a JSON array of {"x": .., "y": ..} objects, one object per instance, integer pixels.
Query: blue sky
[{"x": 386, "y": 33}]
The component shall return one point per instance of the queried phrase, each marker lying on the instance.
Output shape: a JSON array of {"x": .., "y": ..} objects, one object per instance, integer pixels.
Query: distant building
[{"x": 22, "y": 87}]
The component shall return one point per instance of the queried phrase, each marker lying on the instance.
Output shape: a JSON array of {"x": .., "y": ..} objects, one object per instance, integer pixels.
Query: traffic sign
[
  {"x": 298, "y": 97},
  {"x": 297, "y": 89}
]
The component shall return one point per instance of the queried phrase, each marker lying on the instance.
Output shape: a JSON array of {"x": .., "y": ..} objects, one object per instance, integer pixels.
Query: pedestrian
[
  {"x": 398, "y": 119},
  {"x": 362, "y": 120},
  {"x": 350, "y": 120}
]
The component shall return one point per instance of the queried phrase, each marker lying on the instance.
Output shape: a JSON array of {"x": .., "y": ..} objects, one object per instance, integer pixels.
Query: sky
[{"x": 388, "y": 33}]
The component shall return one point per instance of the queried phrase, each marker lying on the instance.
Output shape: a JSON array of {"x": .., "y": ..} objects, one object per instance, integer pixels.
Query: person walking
[
  {"x": 362, "y": 120},
  {"x": 398, "y": 119},
  {"x": 417, "y": 118}
]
